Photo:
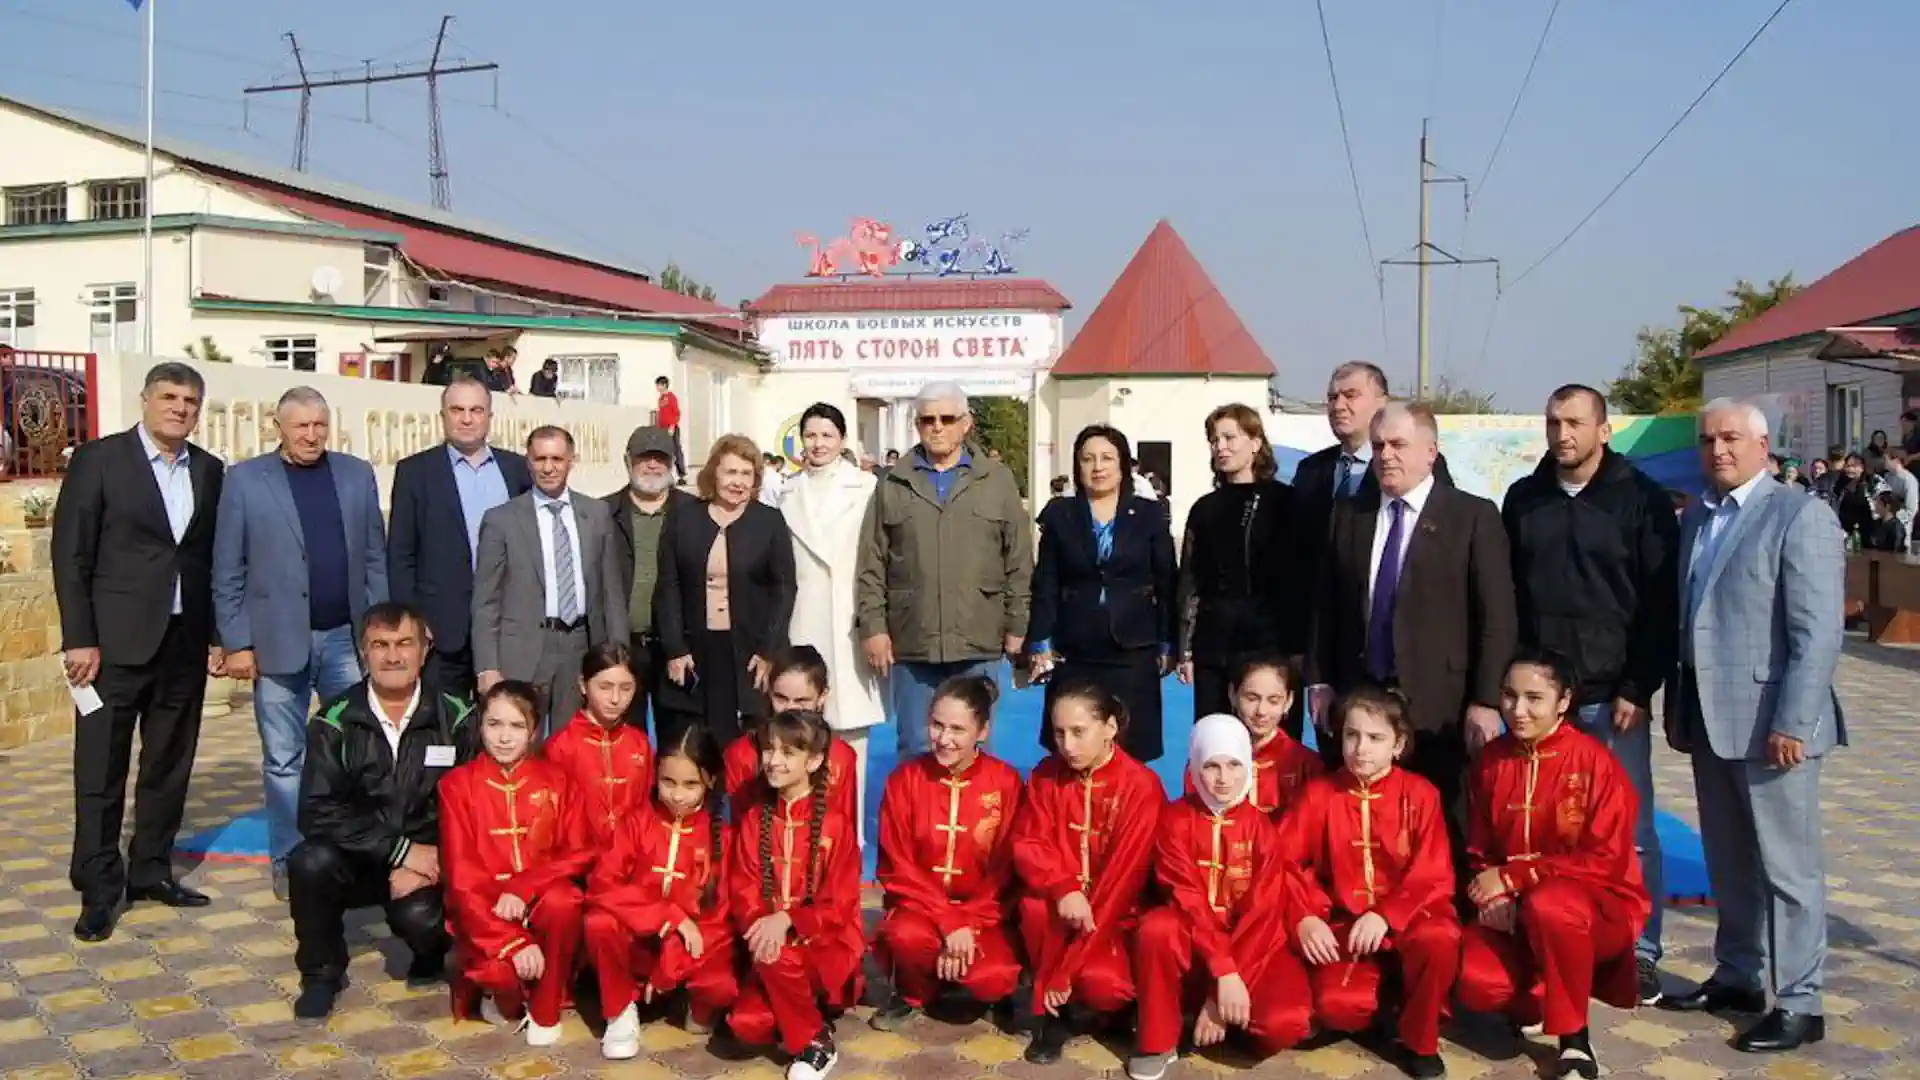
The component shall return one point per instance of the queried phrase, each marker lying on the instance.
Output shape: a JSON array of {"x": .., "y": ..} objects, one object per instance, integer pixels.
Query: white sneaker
[
  {"x": 622, "y": 1040},
  {"x": 540, "y": 1035},
  {"x": 491, "y": 1013},
  {"x": 817, "y": 1060}
]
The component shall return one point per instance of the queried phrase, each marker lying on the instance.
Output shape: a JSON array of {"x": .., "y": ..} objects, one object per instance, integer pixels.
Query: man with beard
[
  {"x": 1594, "y": 542},
  {"x": 639, "y": 513}
]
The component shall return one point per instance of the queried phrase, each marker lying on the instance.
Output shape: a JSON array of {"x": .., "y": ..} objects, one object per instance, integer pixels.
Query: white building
[
  {"x": 1830, "y": 364},
  {"x": 285, "y": 270}
]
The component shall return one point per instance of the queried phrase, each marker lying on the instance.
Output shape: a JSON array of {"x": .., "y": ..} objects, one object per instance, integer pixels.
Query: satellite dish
[{"x": 326, "y": 281}]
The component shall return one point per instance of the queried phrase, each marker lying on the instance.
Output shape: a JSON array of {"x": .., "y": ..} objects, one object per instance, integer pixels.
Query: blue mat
[{"x": 1016, "y": 739}]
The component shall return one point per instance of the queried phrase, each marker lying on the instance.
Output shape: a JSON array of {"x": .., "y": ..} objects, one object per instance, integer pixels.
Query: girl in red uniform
[
  {"x": 1555, "y": 875},
  {"x": 793, "y": 888},
  {"x": 514, "y": 840},
  {"x": 797, "y": 682},
  {"x": 946, "y": 859},
  {"x": 1082, "y": 846},
  {"x": 656, "y": 914},
  {"x": 1219, "y": 943},
  {"x": 1263, "y": 694},
  {"x": 606, "y": 757},
  {"x": 1373, "y": 883}
]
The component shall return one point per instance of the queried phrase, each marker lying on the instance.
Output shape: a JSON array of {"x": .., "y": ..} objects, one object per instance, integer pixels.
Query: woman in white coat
[{"x": 825, "y": 505}]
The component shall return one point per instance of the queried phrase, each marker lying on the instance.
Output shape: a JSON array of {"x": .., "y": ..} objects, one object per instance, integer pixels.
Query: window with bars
[
  {"x": 45, "y": 204},
  {"x": 295, "y": 353},
  {"x": 16, "y": 318},
  {"x": 589, "y": 378},
  {"x": 116, "y": 200}
]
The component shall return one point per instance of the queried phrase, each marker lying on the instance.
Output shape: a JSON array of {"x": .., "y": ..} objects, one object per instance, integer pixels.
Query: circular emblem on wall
[{"x": 788, "y": 440}]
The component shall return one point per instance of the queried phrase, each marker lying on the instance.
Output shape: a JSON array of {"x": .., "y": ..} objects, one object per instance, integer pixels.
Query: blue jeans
[
  {"x": 1634, "y": 750},
  {"x": 281, "y": 705},
  {"x": 910, "y": 690}
]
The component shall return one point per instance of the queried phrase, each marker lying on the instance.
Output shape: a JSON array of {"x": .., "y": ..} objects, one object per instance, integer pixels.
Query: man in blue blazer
[
  {"x": 299, "y": 554},
  {"x": 439, "y": 497},
  {"x": 1763, "y": 583}
]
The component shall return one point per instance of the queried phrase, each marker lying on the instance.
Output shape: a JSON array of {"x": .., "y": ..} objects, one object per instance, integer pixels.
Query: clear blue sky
[{"x": 710, "y": 134}]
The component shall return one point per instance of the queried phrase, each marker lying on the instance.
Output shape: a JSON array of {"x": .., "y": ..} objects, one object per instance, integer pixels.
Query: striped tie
[{"x": 563, "y": 565}]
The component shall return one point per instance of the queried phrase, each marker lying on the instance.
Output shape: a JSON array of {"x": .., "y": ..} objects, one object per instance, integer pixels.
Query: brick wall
[{"x": 33, "y": 696}]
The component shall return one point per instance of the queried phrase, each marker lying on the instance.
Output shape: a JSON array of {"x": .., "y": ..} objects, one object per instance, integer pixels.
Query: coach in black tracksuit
[{"x": 1594, "y": 544}]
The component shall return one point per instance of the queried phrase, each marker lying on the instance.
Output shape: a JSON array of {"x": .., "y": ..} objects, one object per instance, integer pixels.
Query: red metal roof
[
  {"x": 1164, "y": 316},
  {"x": 1881, "y": 281},
  {"x": 477, "y": 258},
  {"x": 911, "y": 294}
]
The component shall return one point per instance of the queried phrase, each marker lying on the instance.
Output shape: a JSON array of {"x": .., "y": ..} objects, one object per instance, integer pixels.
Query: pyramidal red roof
[
  {"x": 1881, "y": 281},
  {"x": 1164, "y": 316}
]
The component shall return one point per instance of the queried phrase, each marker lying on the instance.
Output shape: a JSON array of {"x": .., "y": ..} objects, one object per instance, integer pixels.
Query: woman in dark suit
[
  {"x": 724, "y": 598},
  {"x": 1103, "y": 589}
]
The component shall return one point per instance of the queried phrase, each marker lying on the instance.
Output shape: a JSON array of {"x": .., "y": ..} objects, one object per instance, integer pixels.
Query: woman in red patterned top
[
  {"x": 1263, "y": 695},
  {"x": 514, "y": 841},
  {"x": 1373, "y": 883},
  {"x": 607, "y": 758},
  {"x": 656, "y": 915}
]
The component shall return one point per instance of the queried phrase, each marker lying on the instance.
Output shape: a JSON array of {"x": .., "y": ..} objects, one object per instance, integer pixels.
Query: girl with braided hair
[
  {"x": 793, "y": 884},
  {"x": 656, "y": 914}
]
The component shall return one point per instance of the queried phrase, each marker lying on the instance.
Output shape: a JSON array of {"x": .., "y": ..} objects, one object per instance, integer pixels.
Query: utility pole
[
  {"x": 1427, "y": 255},
  {"x": 430, "y": 72}
]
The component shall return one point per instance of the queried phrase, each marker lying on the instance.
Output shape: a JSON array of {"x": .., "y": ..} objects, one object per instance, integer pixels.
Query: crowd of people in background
[{"x": 821, "y": 670}]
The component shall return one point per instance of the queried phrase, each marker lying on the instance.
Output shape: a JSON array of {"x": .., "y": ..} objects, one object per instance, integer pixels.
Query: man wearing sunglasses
[{"x": 945, "y": 560}]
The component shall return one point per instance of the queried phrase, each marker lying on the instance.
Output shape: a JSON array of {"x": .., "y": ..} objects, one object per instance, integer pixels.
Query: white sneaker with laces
[
  {"x": 816, "y": 1061},
  {"x": 622, "y": 1040},
  {"x": 540, "y": 1035}
]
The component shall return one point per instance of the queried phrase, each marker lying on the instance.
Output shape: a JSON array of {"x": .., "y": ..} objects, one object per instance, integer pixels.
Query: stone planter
[
  {"x": 38, "y": 521},
  {"x": 219, "y": 700}
]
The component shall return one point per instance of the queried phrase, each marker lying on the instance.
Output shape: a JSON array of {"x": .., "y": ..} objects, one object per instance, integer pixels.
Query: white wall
[
  {"x": 275, "y": 267},
  {"x": 1797, "y": 386},
  {"x": 61, "y": 270}
]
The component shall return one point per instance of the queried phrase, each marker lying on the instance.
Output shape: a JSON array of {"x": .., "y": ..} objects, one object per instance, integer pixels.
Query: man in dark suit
[
  {"x": 639, "y": 515},
  {"x": 439, "y": 497},
  {"x": 132, "y": 570},
  {"x": 1416, "y": 592}
]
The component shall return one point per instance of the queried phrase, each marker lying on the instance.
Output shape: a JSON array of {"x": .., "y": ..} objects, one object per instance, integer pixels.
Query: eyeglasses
[{"x": 939, "y": 420}]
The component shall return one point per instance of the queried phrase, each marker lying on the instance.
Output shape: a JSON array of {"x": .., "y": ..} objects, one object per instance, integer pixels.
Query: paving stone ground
[{"x": 208, "y": 994}]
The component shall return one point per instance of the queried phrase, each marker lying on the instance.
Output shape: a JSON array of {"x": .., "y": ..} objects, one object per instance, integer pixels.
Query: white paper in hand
[{"x": 86, "y": 699}]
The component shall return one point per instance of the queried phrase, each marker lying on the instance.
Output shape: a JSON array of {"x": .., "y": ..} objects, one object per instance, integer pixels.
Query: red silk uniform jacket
[
  {"x": 654, "y": 873},
  {"x": 1281, "y": 767},
  {"x": 946, "y": 841},
  {"x": 1215, "y": 871},
  {"x": 828, "y": 925},
  {"x": 1090, "y": 834},
  {"x": 1354, "y": 848},
  {"x": 520, "y": 831},
  {"x": 612, "y": 770},
  {"x": 742, "y": 764}
]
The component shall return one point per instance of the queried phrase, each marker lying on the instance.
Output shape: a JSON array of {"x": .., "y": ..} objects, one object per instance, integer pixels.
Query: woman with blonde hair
[{"x": 725, "y": 597}]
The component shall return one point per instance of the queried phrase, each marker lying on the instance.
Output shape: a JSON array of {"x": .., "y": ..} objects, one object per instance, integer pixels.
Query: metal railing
[{"x": 47, "y": 407}]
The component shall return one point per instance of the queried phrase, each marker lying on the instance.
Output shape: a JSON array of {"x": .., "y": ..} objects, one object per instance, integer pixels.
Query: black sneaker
[
  {"x": 1049, "y": 1041},
  {"x": 1648, "y": 970},
  {"x": 1422, "y": 1066},
  {"x": 426, "y": 969},
  {"x": 817, "y": 1060},
  {"x": 1577, "y": 1057},
  {"x": 894, "y": 1015},
  {"x": 316, "y": 998}
]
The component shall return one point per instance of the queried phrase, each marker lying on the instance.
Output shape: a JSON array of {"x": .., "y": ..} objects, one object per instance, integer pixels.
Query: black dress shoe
[
  {"x": 1714, "y": 997},
  {"x": 316, "y": 998},
  {"x": 1049, "y": 1041},
  {"x": 95, "y": 923},
  {"x": 169, "y": 892},
  {"x": 426, "y": 969},
  {"x": 1781, "y": 1030}
]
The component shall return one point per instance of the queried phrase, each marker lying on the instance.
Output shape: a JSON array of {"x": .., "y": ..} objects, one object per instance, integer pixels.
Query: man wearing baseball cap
[{"x": 639, "y": 511}]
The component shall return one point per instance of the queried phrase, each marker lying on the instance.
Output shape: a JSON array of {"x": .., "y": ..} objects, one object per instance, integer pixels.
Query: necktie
[
  {"x": 563, "y": 564},
  {"x": 1343, "y": 477},
  {"x": 1386, "y": 587}
]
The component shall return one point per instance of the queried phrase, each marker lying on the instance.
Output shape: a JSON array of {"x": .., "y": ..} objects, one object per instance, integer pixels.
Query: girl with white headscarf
[{"x": 1222, "y": 936}]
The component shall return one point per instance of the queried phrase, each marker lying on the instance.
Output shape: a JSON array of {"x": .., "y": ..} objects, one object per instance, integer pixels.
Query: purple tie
[{"x": 1386, "y": 587}]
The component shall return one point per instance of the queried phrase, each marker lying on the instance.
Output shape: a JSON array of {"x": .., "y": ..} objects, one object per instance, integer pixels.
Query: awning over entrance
[{"x": 1872, "y": 343}]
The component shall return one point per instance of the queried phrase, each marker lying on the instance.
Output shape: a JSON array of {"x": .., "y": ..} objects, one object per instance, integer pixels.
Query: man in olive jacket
[{"x": 946, "y": 558}]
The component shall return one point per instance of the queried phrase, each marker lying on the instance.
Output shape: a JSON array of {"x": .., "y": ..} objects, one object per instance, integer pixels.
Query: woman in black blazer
[
  {"x": 724, "y": 598},
  {"x": 1103, "y": 589}
]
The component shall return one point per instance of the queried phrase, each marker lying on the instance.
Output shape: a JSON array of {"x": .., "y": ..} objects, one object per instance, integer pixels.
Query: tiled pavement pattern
[{"x": 207, "y": 994}]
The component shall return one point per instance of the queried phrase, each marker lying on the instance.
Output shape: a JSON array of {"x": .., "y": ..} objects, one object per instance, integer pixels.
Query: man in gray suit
[
  {"x": 299, "y": 554},
  {"x": 546, "y": 582},
  {"x": 1762, "y": 578}
]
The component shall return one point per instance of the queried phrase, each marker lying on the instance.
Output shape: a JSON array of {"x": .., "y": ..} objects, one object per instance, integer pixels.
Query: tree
[
  {"x": 207, "y": 352},
  {"x": 1446, "y": 399},
  {"x": 1663, "y": 377},
  {"x": 674, "y": 279},
  {"x": 1003, "y": 424}
]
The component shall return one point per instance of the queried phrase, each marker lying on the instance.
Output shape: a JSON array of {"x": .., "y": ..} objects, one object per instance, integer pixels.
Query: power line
[
  {"x": 1662, "y": 141},
  {"x": 1518, "y": 95},
  {"x": 1353, "y": 174},
  {"x": 119, "y": 32}
]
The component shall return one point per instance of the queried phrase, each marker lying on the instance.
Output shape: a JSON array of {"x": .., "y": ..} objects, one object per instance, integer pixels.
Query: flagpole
[{"x": 146, "y": 235}]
